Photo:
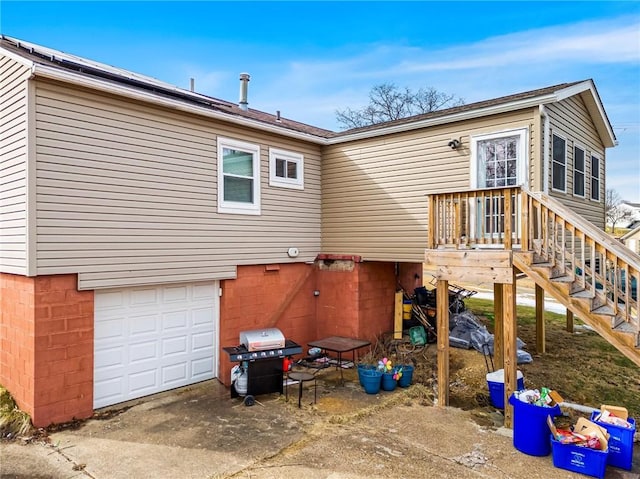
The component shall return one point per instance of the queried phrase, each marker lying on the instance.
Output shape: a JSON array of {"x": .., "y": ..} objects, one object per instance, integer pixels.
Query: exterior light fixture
[{"x": 454, "y": 143}]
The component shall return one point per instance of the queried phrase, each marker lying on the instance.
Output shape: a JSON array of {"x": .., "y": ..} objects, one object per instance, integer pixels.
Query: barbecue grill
[{"x": 261, "y": 353}]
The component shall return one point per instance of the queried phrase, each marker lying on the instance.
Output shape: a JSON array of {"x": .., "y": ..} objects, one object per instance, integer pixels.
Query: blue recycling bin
[{"x": 530, "y": 429}]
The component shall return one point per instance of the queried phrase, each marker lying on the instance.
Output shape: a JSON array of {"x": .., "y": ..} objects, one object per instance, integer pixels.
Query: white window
[
  {"x": 578, "y": 171},
  {"x": 595, "y": 178},
  {"x": 559, "y": 170},
  {"x": 286, "y": 169},
  {"x": 238, "y": 177},
  {"x": 499, "y": 159}
]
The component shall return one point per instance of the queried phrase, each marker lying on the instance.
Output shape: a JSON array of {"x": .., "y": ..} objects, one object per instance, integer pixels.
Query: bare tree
[
  {"x": 614, "y": 210},
  {"x": 389, "y": 102}
]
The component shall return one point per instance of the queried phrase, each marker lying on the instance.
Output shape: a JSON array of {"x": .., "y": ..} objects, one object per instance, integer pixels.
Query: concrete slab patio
[{"x": 200, "y": 432}]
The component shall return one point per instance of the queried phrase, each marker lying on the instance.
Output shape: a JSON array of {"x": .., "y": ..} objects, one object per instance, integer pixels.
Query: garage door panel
[
  {"x": 175, "y": 320},
  {"x": 143, "y": 351},
  {"x": 175, "y": 294},
  {"x": 175, "y": 345},
  {"x": 140, "y": 324},
  {"x": 153, "y": 339},
  {"x": 110, "y": 357},
  {"x": 202, "y": 342},
  {"x": 109, "y": 391},
  {"x": 175, "y": 375},
  {"x": 144, "y": 382},
  {"x": 204, "y": 290},
  {"x": 110, "y": 328},
  {"x": 201, "y": 368},
  {"x": 144, "y": 297},
  {"x": 202, "y": 316},
  {"x": 109, "y": 300}
]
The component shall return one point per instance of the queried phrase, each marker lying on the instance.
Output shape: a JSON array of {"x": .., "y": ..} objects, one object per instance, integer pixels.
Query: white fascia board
[
  {"x": 17, "y": 58},
  {"x": 123, "y": 90},
  {"x": 588, "y": 92},
  {"x": 466, "y": 115},
  {"x": 574, "y": 90}
]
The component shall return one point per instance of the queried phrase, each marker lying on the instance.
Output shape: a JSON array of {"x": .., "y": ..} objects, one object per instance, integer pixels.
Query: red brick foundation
[
  {"x": 271, "y": 296},
  {"x": 46, "y": 360},
  {"x": 355, "y": 299},
  {"x": 46, "y": 324}
]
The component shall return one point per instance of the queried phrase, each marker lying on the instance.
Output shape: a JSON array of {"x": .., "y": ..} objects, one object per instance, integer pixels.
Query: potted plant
[{"x": 390, "y": 374}]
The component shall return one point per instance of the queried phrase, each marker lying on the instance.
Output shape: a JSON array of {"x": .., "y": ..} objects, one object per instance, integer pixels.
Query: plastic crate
[
  {"x": 495, "y": 381},
  {"x": 591, "y": 462},
  {"x": 620, "y": 443}
]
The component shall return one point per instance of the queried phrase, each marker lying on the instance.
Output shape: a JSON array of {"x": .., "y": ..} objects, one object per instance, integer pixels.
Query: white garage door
[{"x": 152, "y": 339}]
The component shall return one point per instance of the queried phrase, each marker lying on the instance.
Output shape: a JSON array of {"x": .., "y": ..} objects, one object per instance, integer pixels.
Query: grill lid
[{"x": 262, "y": 339}]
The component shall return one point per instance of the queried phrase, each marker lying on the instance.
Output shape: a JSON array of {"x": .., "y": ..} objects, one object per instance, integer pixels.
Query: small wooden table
[{"x": 340, "y": 345}]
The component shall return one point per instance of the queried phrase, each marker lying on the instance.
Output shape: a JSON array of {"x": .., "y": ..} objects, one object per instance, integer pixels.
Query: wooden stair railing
[{"x": 594, "y": 268}]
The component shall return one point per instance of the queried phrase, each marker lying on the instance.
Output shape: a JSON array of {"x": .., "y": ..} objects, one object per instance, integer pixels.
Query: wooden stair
[{"x": 588, "y": 306}]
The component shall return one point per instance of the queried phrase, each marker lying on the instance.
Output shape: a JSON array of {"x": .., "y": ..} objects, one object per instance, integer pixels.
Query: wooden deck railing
[
  {"x": 536, "y": 222},
  {"x": 467, "y": 219}
]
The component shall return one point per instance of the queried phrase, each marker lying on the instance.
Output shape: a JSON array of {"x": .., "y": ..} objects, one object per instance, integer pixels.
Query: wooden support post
[
  {"x": 510, "y": 351},
  {"x": 432, "y": 240},
  {"x": 569, "y": 320},
  {"x": 498, "y": 356},
  {"x": 442, "y": 301},
  {"x": 541, "y": 345},
  {"x": 397, "y": 318}
]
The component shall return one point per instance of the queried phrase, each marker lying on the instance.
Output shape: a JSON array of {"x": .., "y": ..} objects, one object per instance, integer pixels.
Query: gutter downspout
[{"x": 545, "y": 150}]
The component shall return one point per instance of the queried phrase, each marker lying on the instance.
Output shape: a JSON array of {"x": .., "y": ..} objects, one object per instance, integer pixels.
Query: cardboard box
[{"x": 617, "y": 411}]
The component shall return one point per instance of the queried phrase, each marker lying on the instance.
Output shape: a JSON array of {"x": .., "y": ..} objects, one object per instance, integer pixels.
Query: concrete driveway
[{"x": 200, "y": 432}]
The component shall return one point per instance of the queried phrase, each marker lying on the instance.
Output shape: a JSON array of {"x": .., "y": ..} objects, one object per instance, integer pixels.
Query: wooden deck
[{"x": 492, "y": 235}]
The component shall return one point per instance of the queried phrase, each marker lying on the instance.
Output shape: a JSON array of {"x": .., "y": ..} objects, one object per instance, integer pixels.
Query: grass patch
[
  {"x": 582, "y": 366},
  {"x": 13, "y": 422}
]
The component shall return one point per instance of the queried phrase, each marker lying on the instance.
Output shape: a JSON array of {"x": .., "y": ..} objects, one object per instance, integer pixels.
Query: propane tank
[{"x": 242, "y": 381}]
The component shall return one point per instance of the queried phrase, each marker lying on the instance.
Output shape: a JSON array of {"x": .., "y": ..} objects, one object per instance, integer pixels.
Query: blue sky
[{"x": 308, "y": 59}]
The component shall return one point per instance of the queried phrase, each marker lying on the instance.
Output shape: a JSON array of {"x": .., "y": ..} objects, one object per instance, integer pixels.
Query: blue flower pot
[
  {"x": 371, "y": 380},
  {"x": 388, "y": 383},
  {"x": 407, "y": 376},
  {"x": 364, "y": 368}
]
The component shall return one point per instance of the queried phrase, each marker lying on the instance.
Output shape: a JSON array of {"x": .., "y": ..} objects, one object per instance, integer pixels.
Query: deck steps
[{"x": 586, "y": 304}]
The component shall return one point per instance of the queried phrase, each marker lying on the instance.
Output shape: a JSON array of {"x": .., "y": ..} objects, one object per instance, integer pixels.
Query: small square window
[{"x": 286, "y": 169}]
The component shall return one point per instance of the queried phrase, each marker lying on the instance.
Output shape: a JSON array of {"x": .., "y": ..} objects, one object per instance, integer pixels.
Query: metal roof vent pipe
[{"x": 244, "y": 86}]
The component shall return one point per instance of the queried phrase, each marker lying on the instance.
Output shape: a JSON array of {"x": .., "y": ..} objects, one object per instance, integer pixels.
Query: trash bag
[
  {"x": 480, "y": 337},
  {"x": 460, "y": 337},
  {"x": 465, "y": 331},
  {"x": 524, "y": 357}
]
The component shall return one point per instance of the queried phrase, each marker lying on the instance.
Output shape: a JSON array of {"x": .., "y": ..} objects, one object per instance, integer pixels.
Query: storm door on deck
[{"x": 498, "y": 161}]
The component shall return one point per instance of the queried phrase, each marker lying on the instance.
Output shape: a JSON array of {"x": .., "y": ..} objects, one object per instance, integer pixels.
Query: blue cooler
[{"x": 495, "y": 381}]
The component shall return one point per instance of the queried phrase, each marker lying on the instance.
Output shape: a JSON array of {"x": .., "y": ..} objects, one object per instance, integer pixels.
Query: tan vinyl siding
[
  {"x": 571, "y": 120},
  {"x": 127, "y": 194},
  {"x": 374, "y": 200},
  {"x": 13, "y": 166}
]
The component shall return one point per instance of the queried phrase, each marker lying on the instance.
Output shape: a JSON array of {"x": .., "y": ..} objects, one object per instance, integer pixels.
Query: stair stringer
[{"x": 601, "y": 323}]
